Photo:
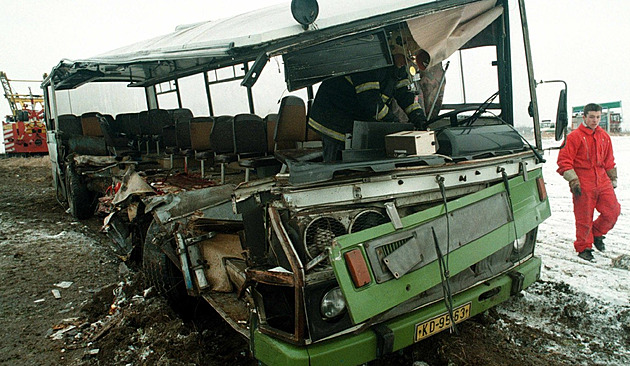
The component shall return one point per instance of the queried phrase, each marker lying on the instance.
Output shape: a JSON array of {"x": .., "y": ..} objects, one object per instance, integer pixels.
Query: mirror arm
[
  {"x": 564, "y": 142},
  {"x": 562, "y": 102}
]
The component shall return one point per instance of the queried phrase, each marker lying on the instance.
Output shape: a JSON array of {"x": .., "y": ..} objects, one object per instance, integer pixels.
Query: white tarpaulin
[
  {"x": 242, "y": 38},
  {"x": 442, "y": 33}
]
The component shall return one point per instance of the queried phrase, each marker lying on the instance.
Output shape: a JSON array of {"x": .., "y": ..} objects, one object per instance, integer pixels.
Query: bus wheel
[
  {"x": 79, "y": 198},
  {"x": 160, "y": 272}
]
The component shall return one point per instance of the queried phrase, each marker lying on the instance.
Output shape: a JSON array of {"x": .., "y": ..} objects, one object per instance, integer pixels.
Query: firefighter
[
  {"x": 364, "y": 96},
  {"x": 587, "y": 163}
]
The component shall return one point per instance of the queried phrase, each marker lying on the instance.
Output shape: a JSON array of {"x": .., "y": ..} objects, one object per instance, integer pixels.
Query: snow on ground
[{"x": 585, "y": 306}]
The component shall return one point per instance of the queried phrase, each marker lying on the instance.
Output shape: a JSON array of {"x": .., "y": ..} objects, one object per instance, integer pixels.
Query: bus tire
[
  {"x": 80, "y": 199},
  {"x": 160, "y": 272}
]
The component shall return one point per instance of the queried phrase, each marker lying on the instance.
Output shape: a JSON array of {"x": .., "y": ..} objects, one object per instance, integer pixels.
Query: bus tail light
[
  {"x": 542, "y": 191},
  {"x": 357, "y": 267}
]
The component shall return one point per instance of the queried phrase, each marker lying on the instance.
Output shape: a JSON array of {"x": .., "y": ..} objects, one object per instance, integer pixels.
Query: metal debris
[
  {"x": 58, "y": 335},
  {"x": 622, "y": 262},
  {"x": 64, "y": 284}
]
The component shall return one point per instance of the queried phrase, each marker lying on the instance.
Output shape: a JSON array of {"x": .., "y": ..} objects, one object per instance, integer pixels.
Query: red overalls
[{"x": 589, "y": 153}]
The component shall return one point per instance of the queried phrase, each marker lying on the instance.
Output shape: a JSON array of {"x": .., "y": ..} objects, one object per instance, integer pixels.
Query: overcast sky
[{"x": 583, "y": 42}]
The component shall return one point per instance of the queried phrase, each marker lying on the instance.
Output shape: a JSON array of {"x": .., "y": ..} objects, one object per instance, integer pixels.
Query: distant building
[{"x": 547, "y": 125}]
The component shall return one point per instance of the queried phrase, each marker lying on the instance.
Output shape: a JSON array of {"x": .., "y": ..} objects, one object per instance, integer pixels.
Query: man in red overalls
[{"x": 587, "y": 163}]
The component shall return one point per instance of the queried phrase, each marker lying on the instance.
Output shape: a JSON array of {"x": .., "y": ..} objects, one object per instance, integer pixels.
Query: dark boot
[
  {"x": 598, "y": 242},
  {"x": 587, "y": 255}
]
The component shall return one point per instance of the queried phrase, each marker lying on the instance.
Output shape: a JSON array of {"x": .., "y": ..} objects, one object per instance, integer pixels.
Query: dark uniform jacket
[{"x": 363, "y": 96}]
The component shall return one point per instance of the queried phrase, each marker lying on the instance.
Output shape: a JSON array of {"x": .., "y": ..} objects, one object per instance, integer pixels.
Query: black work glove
[
  {"x": 418, "y": 118},
  {"x": 575, "y": 187},
  {"x": 612, "y": 174}
]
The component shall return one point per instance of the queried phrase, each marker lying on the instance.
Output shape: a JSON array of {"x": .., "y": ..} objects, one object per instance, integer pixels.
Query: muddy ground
[{"x": 66, "y": 299}]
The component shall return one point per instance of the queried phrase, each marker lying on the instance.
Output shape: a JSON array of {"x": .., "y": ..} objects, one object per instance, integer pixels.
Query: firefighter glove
[
  {"x": 418, "y": 118},
  {"x": 574, "y": 183},
  {"x": 612, "y": 174},
  {"x": 575, "y": 187}
]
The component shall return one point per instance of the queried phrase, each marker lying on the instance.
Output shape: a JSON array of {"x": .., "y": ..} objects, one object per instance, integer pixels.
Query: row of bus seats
[
  {"x": 128, "y": 133},
  {"x": 82, "y": 134},
  {"x": 220, "y": 139},
  {"x": 245, "y": 138}
]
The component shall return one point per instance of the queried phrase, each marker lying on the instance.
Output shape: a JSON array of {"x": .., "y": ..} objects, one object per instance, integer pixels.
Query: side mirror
[
  {"x": 304, "y": 12},
  {"x": 562, "y": 117}
]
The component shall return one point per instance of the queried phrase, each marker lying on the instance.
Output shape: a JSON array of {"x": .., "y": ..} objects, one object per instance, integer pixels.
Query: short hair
[{"x": 592, "y": 107}]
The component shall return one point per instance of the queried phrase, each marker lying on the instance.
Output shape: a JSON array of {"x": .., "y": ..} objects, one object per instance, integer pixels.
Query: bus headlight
[
  {"x": 523, "y": 247},
  {"x": 333, "y": 304},
  {"x": 519, "y": 243}
]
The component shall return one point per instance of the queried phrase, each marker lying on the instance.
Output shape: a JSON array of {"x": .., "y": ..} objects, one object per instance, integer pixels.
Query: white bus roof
[{"x": 207, "y": 45}]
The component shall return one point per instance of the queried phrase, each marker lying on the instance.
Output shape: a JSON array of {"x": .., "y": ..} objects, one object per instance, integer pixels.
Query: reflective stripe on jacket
[{"x": 363, "y": 96}]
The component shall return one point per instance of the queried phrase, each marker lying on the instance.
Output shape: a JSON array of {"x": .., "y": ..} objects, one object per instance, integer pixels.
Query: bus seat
[
  {"x": 291, "y": 132},
  {"x": 169, "y": 133},
  {"x": 71, "y": 134},
  {"x": 291, "y": 126},
  {"x": 199, "y": 135},
  {"x": 182, "y": 135},
  {"x": 271, "y": 120},
  {"x": 169, "y": 139},
  {"x": 69, "y": 125},
  {"x": 90, "y": 125},
  {"x": 222, "y": 142},
  {"x": 180, "y": 114},
  {"x": 117, "y": 143},
  {"x": 249, "y": 135},
  {"x": 151, "y": 124},
  {"x": 250, "y": 142},
  {"x": 129, "y": 125},
  {"x": 182, "y": 131}
]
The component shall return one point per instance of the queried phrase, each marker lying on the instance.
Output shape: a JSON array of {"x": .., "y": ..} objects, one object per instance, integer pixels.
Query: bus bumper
[{"x": 353, "y": 349}]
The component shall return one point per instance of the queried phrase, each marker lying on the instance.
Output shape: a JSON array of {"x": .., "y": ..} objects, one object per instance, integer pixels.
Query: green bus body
[
  {"x": 361, "y": 348},
  {"x": 528, "y": 210}
]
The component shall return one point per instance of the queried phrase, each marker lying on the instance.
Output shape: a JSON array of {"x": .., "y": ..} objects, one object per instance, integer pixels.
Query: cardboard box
[{"x": 410, "y": 143}]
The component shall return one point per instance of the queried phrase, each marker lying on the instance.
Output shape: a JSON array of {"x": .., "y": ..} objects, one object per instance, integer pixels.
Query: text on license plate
[{"x": 441, "y": 322}]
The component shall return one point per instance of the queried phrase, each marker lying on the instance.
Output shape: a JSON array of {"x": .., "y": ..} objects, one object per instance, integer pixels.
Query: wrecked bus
[{"x": 228, "y": 198}]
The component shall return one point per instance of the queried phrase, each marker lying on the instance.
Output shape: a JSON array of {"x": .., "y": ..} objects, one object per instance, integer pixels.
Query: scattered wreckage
[{"x": 315, "y": 263}]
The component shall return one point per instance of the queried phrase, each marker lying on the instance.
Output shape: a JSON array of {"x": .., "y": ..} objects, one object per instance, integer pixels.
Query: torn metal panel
[
  {"x": 132, "y": 211},
  {"x": 236, "y": 273},
  {"x": 271, "y": 277},
  {"x": 405, "y": 251},
  {"x": 184, "y": 263},
  {"x": 132, "y": 184},
  {"x": 173, "y": 206},
  {"x": 251, "y": 188},
  {"x": 118, "y": 232},
  {"x": 304, "y": 172},
  {"x": 162, "y": 236},
  {"x": 297, "y": 270},
  {"x": 234, "y": 310},
  {"x": 91, "y": 160}
]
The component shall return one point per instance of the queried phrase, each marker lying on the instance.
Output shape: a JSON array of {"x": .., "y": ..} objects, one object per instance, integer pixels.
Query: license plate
[{"x": 441, "y": 322}]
